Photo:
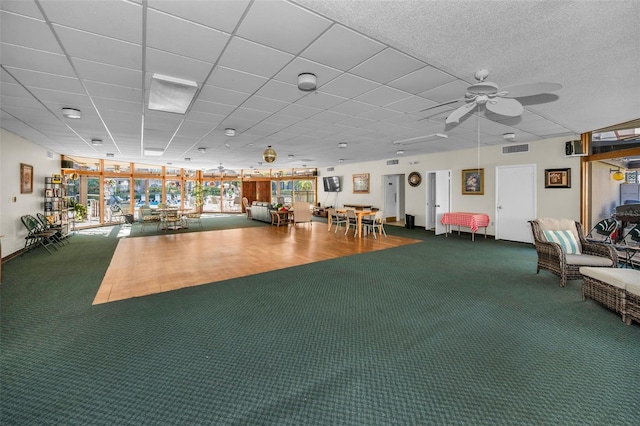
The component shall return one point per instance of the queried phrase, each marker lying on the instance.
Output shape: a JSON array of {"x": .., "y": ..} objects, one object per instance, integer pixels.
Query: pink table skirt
[{"x": 469, "y": 220}]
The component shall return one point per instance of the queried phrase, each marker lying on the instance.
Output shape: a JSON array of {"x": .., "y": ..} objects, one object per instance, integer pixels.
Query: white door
[
  {"x": 392, "y": 196},
  {"x": 438, "y": 198},
  {"x": 515, "y": 202}
]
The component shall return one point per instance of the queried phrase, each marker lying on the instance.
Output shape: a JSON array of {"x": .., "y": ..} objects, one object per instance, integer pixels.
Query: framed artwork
[
  {"x": 361, "y": 183},
  {"x": 473, "y": 182},
  {"x": 26, "y": 178},
  {"x": 557, "y": 178}
]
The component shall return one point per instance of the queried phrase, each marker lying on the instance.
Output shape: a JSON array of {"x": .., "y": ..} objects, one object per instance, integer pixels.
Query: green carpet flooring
[{"x": 447, "y": 331}]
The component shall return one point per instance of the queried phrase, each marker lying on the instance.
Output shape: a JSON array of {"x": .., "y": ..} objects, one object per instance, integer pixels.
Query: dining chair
[
  {"x": 336, "y": 219},
  {"x": 147, "y": 217},
  {"x": 192, "y": 216},
  {"x": 352, "y": 219},
  {"x": 377, "y": 223}
]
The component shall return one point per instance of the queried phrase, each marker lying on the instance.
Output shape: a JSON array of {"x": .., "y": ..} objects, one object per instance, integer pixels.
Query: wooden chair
[
  {"x": 336, "y": 219},
  {"x": 146, "y": 217},
  {"x": 302, "y": 212},
  {"x": 192, "y": 216},
  {"x": 352, "y": 220},
  {"x": 377, "y": 223},
  {"x": 247, "y": 207},
  {"x": 564, "y": 258}
]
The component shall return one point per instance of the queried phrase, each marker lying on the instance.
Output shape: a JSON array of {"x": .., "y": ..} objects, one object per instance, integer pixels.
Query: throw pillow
[{"x": 566, "y": 239}]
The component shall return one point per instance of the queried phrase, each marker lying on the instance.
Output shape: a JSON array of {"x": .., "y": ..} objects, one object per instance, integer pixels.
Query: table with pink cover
[{"x": 468, "y": 220}]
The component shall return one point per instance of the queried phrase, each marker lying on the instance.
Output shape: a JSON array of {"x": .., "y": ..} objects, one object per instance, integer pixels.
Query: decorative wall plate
[{"x": 414, "y": 179}]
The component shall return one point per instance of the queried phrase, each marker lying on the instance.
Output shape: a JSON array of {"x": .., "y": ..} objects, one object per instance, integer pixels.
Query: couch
[{"x": 261, "y": 210}]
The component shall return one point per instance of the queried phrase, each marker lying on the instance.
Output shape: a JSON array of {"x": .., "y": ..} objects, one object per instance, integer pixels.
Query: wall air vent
[
  {"x": 515, "y": 149},
  {"x": 330, "y": 169},
  {"x": 393, "y": 162}
]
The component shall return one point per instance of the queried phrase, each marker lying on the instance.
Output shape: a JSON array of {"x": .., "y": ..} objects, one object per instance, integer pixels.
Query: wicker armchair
[{"x": 553, "y": 258}]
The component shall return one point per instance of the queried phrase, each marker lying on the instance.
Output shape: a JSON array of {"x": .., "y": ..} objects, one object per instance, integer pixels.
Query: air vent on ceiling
[
  {"x": 393, "y": 162},
  {"x": 330, "y": 169},
  {"x": 515, "y": 149}
]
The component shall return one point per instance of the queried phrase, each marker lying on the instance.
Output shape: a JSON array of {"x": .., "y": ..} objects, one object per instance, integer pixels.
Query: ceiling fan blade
[
  {"x": 505, "y": 106},
  {"x": 441, "y": 104},
  {"x": 456, "y": 115},
  {"x": 522, "y": 90}
]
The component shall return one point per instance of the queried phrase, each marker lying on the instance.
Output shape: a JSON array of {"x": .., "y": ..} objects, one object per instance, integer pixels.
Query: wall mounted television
[{"x": 331, "y": 184}]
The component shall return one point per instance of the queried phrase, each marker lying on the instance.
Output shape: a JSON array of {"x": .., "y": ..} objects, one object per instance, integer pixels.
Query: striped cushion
[{"x": 566, "y": 239}]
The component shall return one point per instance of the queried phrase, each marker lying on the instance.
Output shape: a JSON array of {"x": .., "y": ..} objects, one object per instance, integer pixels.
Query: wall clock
[{"x": 414, "y": 179}]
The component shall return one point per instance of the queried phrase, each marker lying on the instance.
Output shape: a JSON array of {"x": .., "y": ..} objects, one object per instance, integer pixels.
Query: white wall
[
  {"x": 546, "y": 154},
  {"x": 13, "y": 151}
]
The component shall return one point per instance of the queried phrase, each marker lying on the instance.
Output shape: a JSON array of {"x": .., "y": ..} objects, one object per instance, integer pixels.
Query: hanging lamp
[{"x": 269, "y": 155}]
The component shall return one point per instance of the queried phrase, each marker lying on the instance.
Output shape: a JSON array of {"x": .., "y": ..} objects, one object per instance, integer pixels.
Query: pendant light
[{"x": 269, "y": 155}]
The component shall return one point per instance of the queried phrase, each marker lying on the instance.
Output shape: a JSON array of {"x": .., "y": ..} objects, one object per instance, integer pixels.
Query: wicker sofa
[
  {"x": 616, "y": 289},
  {"x": 555, "y": 259}
]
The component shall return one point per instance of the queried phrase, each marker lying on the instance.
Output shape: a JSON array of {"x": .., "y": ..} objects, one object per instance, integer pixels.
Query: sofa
[{"x": 261, "y": 210}]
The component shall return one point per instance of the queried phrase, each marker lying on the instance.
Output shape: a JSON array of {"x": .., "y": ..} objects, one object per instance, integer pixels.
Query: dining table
[
  {"x": 466, "y": 219},
  {"x": 359, "y": 214},
  {"x": 163, "y": 212}
]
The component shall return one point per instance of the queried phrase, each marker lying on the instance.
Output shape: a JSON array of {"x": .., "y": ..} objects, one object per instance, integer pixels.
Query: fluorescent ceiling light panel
[
  {"x": 155, "y": 152},
  {"x": 171, "y": 94}
]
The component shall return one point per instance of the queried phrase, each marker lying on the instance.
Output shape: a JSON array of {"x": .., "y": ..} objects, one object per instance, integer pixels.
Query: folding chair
[
  {"x": 47, "y": 226},
  {"x": 603, "y": 231},
  {"x": 35, "y": 236}
]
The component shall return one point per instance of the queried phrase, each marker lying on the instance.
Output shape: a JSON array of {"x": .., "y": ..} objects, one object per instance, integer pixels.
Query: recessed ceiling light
[
  {"x": 171, "y": 94},
  {"x": 342, "y": 145},
  {"x": 400, "y": 152},
  {"x": 290, "y": 156},
  {"x": 154, "y": 152},
  {"x": 230, "y": 132},
  {"x": 96, "y": 142},
  {"x": 71, "y": 113}
]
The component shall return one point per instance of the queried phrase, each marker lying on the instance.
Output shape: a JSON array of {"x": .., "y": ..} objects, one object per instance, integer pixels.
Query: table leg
[
  {"x": 329, "y": 222},
  {"x": 359, "y": 226}
]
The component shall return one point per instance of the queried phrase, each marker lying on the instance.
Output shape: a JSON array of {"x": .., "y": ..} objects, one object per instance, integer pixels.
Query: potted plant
[
  {"x": 198, "y": 193},
  {"x": 80, "y": 211}
]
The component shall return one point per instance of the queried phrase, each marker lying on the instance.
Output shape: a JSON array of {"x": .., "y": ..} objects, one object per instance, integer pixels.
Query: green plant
[
  {"x": 198, "y": 192},
  {"x": 80, "y": 211}
]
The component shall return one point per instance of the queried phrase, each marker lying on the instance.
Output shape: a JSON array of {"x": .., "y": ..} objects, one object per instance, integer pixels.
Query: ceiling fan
[{"x": 499, "y": 101}]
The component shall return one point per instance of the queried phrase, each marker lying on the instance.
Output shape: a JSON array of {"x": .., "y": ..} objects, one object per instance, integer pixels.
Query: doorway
[
  {"x": 515, "y": 202},
  {"x": 438, "y": 199},
  {"x": 393, "y": 197}
]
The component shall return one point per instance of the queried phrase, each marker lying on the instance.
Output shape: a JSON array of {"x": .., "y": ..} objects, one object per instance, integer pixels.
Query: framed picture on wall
[
  {"x": 26, "y": 178},
  {"x": 473, "y": 182},
  {"x": 557, "y": 178},
  {"x": 361, "y": 183}
]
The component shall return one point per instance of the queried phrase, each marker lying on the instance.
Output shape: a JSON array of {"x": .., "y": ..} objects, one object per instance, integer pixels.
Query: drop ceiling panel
[
  {"x": 342, "y": 48},
  {"x": 381, "y": 96},
  {"x": 118, "y": 20},
  {"x": 21, "y": 57},
  {"x": 222, "y": 15},
  {"x": 91, "y": 46},
  {"x": 245, "y": 55},
  {"x": 105, "y": 73},
  {"x": 127, "y": 94},
  {"x": 264, "y": 104},
  {"x": 352, "y": 107},
  {"x": 349, "y": 85},
  {"x": 28, "y": 32},
  {"x": 273, "y": 23},
  {"x": 203, "y": 117},
  {"x": 386, "y": 66},
  {"x": 220, "y": 95},
  {"x": 35, "y": 79},
  {"x": 449, "y": 91},
  {"x": 236, "y": 80},
  {"x": 177, "y": 66},
  {"x": 321, "y": 100},
  {"x": 280, "y": 91},
  {"x": 422, "y": 80},
  {"x": 21, "y": 8},
  {"x": 181, "y": 39},
  {"x": 210, "y": 108},
  {"x": 380, "y": 114}
]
